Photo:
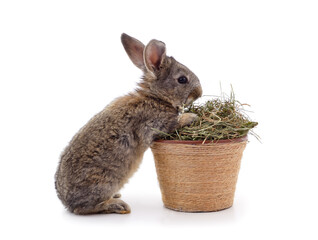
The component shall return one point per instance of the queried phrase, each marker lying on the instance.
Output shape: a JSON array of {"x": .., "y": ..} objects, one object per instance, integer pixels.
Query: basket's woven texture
[{"x": 198, "y": 178}]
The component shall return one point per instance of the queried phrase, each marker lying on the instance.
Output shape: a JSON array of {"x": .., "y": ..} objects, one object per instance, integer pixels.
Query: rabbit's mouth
[{"x": 189, "y": 101}]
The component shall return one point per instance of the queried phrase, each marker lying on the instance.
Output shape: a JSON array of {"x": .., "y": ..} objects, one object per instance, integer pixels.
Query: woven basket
[{"x": 196, "y": 177}]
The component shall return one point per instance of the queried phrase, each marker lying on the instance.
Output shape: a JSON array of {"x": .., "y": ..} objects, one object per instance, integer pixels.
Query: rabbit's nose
[{"x": 195, "y": 94}]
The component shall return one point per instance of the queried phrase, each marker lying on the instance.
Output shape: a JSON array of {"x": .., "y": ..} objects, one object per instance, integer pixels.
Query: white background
[{"x": 62, "y": 61}]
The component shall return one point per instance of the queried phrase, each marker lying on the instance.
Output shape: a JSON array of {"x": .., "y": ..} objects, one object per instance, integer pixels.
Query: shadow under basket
[{"x": 196, "y": 177}]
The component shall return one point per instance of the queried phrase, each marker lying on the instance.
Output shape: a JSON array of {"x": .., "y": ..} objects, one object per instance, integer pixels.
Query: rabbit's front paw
[
  {"x": 186, "y": 119},
  {"x": 117, "y": 195}
]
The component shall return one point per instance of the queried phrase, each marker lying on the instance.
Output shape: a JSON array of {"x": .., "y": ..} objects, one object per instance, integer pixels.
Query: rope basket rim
[{"x": 200, "y": 142}]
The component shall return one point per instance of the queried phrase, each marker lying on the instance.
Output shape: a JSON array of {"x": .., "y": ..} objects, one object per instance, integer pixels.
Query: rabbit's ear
[
  {"x": 155, "y": 53},
  {"x": 135, "y": 49}
]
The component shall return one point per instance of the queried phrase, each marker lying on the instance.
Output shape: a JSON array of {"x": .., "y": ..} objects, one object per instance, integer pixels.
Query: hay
[{"x": 219, "y": 118}]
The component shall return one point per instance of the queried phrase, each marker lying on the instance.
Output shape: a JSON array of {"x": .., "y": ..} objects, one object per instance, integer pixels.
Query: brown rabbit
[{"x": 106, "y": 152}]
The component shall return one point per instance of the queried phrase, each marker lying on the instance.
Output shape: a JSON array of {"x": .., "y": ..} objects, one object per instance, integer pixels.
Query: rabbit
[{"x": 107, "y": 151}]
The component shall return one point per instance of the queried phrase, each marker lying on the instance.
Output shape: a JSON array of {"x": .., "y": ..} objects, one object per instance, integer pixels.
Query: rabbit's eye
[{"x": 182, "y": 80}]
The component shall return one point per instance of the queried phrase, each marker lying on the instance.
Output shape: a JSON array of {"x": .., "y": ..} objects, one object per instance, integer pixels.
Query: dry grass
[{"x": 218, "y": 118}]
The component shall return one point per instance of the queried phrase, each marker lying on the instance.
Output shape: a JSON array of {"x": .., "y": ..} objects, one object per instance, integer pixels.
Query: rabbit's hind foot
[
  {"x": 113, "y": 205},
  {"x": 116, "y": 205}
]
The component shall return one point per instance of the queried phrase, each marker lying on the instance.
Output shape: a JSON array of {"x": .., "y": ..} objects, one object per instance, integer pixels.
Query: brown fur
[{"x": 106, "y": 152}]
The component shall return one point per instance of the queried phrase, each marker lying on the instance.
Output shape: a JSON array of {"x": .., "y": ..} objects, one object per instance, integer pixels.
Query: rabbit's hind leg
[{"x": 97, "y": 199}]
